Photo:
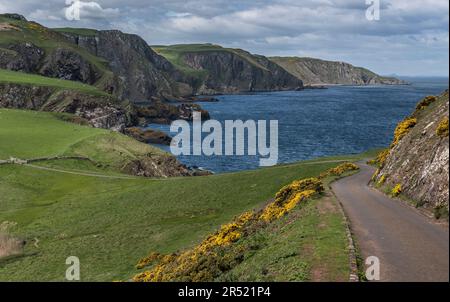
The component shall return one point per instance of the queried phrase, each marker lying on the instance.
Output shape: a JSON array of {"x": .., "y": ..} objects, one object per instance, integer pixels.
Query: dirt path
[
  {"x": 79, "y": 173},
  {"x": 409, "y": 245},
  {"x": 130, "y": 177}
]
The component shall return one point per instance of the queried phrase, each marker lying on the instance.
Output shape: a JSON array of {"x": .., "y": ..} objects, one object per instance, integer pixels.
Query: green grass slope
[
  {"x": 110, "y": 223},
  {"x": 32, "y": 134},
  {"x": 298, "y": 247},
  {"x": 79, "y": 31},
  {"x": 14, "y": 77}
]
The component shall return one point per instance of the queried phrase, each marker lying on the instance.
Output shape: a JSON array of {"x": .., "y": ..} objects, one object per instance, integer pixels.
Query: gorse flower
[
  {"x": 218, "y": 252},
  {"x": 427, "y": 101},
  {"x": 396, "y": 190},
  {"x": 382, "y": 180},
  {"x": 403, "y": 128},
  {"x": 442, "y": 129}
]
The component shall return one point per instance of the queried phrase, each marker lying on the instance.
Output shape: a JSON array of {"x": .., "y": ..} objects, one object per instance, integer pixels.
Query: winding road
[{"x": 409, "y": 245}]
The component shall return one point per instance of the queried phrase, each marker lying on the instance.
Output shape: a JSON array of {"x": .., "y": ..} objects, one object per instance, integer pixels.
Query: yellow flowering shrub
[
  {"x": 339, "y": 170},
  {"x": 426, "y": 102},
  {"x": 190, "y": 265},
  {"x": 36, "y": 27},
  {"x": 276, "y": 210},
  {"x": 396, "y": 190},
  {"x": 380, "y": 159},
  {"x": 400, "y": 131},
  {"x": 442, "y": 129},
  {"x": 403, "y": 128},
  {"x": 219, "y": 252},
  {"x": 375, "y": 175},
  {"x": 382, "y": 180},
  {"x": 148, "y": 260}
]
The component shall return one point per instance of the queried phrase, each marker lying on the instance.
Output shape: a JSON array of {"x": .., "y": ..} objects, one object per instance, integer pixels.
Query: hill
[
  {"x": 212, "y": 69},
  {"x": 415, "y": 167},
  {"x": 66, "y": 206},
  {"x": 125, "y": 66},
  {"x": 47, "y": 138},
  {"x": 120, "y": 64},
  {"x": 88, "y": 104},
  {"x": 320, "y": 72}
]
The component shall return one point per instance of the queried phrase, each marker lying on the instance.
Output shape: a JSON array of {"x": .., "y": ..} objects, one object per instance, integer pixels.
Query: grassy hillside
[
  {"x": 49, "y": 40},
  {"x": 8, "y": 76},
  {"x": 31, "y": 134},
  {"x": 79, "y": 31},
  {"x": 111, "y": 223},
  {"x": 175, "y": 53},
  {"x": 316, "y": 71},
  {"x": 298, "y": 247}
]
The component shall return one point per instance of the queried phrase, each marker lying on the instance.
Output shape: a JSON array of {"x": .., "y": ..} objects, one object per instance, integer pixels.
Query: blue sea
[{"x": 317, "y": 122}]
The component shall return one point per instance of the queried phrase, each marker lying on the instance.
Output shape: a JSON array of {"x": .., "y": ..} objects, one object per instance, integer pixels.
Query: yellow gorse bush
[
  {"x": 381, "y": 158},
  {"x": 382, "y": 180},
  {"x": 200, "y": 263},
  {"x": 36, "y": 27},
  {"x": 427, "y": 101},
  {"x": 403, "y": 128},
  {"x": 148, "y": 260},
  {"x": 280, "y": 208},
  {"x": 442, "y": 129},
  {"x": 396, "y": 190},
  {"x": 217, "y": 253}
]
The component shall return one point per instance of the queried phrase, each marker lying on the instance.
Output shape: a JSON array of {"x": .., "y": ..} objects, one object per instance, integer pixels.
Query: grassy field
[
  {"x": 77, "y": 31},
  {"x": 111, "y": 223},
  {"x": 8, "y": 76},
  {"x": 33, "y": 134}
]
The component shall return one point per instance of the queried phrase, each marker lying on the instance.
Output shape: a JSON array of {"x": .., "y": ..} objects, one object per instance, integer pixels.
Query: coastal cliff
[
  {"x": 416, "y": 164},
  {"x": 140, "y": 72},
  {"x": 97, "y": 110},
  {"x": 212, "y": 69},
  {"x": 320, "y": 72}
]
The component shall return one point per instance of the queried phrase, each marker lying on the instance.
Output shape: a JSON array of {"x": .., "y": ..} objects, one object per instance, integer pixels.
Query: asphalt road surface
[{"x": 409, "y": 245}]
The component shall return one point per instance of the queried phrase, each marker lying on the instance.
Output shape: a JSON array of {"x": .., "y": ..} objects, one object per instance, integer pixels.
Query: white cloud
[
  {"x": 177, "y": 15},
  {"x": 409, "y": 30}
]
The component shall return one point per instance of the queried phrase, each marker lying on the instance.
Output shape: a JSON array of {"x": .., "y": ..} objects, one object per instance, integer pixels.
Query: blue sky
[{"x": 411, "y": 37}]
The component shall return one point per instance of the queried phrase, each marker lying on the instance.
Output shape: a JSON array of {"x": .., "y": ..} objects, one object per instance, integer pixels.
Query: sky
[{"x": 410, "y": 38}]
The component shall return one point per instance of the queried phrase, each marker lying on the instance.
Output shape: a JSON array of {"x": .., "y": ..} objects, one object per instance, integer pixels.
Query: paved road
[{"x": 410, "y": 246}]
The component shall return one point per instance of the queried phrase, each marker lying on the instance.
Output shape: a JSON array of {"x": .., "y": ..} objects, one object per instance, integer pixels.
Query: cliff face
[
  {"x": 320, "y": 72},
  {"x": 61, "y": 63},
  {"x": 417, "y": 162},
  {"x": 211, "y": 69},
  {"x": 230, "y": 73},
  {"x": 142, "y": 73},
  {"x": 118, "y": 63},
  {"x": 98, "y": 111}
]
